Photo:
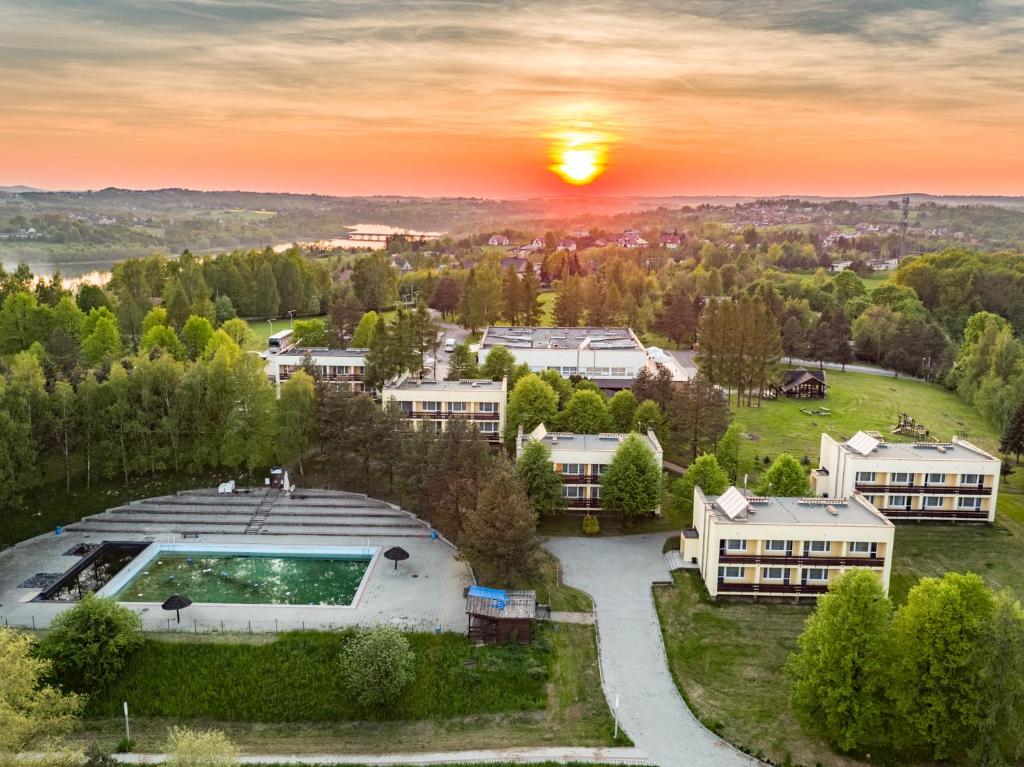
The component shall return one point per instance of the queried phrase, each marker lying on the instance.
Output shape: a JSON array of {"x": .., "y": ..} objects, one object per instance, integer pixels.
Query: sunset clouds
[{"x": 427, "y": 97}]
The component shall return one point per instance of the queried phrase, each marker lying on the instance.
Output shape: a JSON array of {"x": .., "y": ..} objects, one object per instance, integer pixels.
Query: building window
[
  {"x": 775, "y": 545},
  {"x": 901, "y": 478},
  {"x": 968, "y": 503},
  {"x": 865, "y": 476},
  {"x": 870, "y": 499},
  {"x": 821, "y": 546},
  {"x": 572, "y": 491},
  {"x": 600, "y": 469},
  {"x": 618, "y": 372},
  {"x": 933, "y": 501},
  {"x": 567, "y": 371},
  {"x": 774, "y": 573},
  {"x": 488, "y": 427},
  {"x": 456, "y": 407},
  {"x": 860, "y": 547},
  {"x": 430, "y": 407},
  {"x": 571, "y": 468},
  {"x": 816, "y": 574},
  {"x": 487, "y": 407},
  {"x": 595, "y": 492},
  {"x": 936, "y": 479},
  {"x": 732, "y": 572},
  {"x": 735, "y": 544},
  {"x": 899, "y": 500},
  {"x": 969, "y": 479}
]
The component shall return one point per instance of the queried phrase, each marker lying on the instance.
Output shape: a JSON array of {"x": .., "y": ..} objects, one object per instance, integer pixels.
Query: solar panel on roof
[
  {"x": 862, "y": 443},
  {"x": 732, "y": 502}
]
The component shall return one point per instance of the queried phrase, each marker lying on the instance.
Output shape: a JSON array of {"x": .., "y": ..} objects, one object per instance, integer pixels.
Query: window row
[
  {"x": 782, "y": 546},
  {"x": 453, "y": 407},
  {"x": 731, "y": 572},
  {"x": 907, "y": 478}
]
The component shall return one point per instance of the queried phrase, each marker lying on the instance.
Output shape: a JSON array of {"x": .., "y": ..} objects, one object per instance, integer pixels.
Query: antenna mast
[{"x": 904, "y": 223}]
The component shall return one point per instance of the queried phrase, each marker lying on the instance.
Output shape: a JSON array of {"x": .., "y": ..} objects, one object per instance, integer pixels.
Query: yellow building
[
  {"x": 781, "y": 547},
  {"x": 434, "y": 404}
]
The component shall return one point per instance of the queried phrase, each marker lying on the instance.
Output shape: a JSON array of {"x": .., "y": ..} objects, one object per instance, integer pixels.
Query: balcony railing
[
  {"x": 339, "y": 378},
  {"x": 583, "y": 503},
  {"x": 772, "y": 588},
  {"x": 769, "y": 561},
  {"x": 936, "y": 514},
  {"x": 872, "y": 489},
  {"x": 581, "y": 479},
  {"x": 439, "y": 415}
]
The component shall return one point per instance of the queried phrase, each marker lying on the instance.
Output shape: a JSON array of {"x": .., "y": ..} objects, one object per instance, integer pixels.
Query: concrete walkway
[
  {"x": 618, "y": 573},
  {"x": 516, "y": 755}
]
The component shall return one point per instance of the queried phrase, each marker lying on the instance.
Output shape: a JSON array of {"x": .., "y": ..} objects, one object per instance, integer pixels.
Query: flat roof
[
  {"x": 787, "y": 511},
  {"x": 415, "y": 384},
  {"x": 591, "y": 442},
  {"x": 960, "y": 450},
  {"x": 559, "y": 338},
  {"x": 317, "y": 352}
]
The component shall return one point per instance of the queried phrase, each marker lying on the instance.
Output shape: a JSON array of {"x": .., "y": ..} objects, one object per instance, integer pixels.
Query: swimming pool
[{"x": 236, "y": 574}]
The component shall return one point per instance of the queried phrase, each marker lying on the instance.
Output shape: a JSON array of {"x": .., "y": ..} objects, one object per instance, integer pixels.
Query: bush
[
  {"x": 89, "y": 644},
  {"x": 125, "y": 746},
  {"x": 590, "y": 525},
  {"x": 378, "y": 666},
  {"x": 190, "y": 748}
]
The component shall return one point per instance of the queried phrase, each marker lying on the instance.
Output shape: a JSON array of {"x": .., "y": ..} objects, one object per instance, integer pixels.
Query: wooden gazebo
[
  {"x": 799, "y": 384},
  {"x": 498, "y": 615}
]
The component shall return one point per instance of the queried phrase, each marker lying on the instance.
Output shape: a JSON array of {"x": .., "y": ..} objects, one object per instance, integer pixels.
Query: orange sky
[{"x": 450, "y": 97}]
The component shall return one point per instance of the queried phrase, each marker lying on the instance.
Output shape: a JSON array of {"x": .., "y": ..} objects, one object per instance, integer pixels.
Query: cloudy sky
[{"x": 466, "y": 97}]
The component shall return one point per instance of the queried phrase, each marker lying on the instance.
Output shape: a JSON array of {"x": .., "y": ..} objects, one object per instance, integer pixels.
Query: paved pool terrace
[{"x": 424, "y": 592}]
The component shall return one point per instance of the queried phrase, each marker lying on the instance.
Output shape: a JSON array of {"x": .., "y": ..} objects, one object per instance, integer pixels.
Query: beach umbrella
[
  {"x": 396, "y": 554},
  {"x": 177, "y": 603}
]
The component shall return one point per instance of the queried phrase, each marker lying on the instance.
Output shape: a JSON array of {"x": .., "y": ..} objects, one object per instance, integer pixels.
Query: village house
[
  {"x": 566, "y": 245},
  {"x": 581, "y": 459},
  {"x": 670, "y": 240},
  {"x": 951, "y": 481},
  {"x": 784, "y": 547},
  {"x": 498, "y": 240}
]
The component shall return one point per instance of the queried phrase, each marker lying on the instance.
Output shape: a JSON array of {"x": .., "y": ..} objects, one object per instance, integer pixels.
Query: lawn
[
  {"x": 284, "y": 696},
  {"x": 546, "y": 301},
  {"x": 875, "y": 280},
  {"x": 858, "y": 401}
]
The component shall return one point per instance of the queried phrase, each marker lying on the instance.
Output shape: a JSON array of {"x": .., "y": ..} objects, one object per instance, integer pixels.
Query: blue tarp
[{"x": 498, "y": 596}]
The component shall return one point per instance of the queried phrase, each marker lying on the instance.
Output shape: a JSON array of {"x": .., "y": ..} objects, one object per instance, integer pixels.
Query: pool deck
[{"x": 425, "y": 591}]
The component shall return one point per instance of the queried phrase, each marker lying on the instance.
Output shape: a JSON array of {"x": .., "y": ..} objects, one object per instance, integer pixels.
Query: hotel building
[
  {"x": 937, "y": 481},
  {"x": 340, "y": 367},
  {"x": 784, "y": 547},
  {"x": 433, "y": 404},
  {"x": 581, "y": 459}
]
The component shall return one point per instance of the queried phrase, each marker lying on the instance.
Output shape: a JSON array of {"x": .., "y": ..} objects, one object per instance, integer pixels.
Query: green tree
[
  {"x": 364, "y": 330},
  {"x": 310, "y": 332},
  {"x": 103, "y": 342},
  {"x": 498, "y": 364},
  {"x": 704, "y": 473},
  {"x": 499, "y": 531},
  {"x": 64, "y": 420},
  {"x": 196, "y": 334},
  {"x": 223, "y": 310},
  {"x": 238, "y": 330},
  {"x": 562, "y": 386},
  {"x": 622, "y": 409},
  {"x": 531, "y": 403},
  {"x": 375, "y": 282},
  {"x": 462, "y": 363},
  {"x": 32, "y": 713},
  {"x": 177, "y": 303},
  {"x": 22, "y": 322},
  {"x": 785, "y": 478},
  {"x": 938, "y": 638},
  {"x": 840, "y": 673},
  {"x": 249, "y": 429},
  {"x": 649, "y": 416},
  {"x": 631, "y": 484},
  {"x": 1012, "y": 441},
  {"x": 728, "y": 450},
  {"x": 538, "y": 475},
  {"x": 377, "y": 665},
  {"x": 90, "y": 643},
  {"x": 1002, "y": 681},
  {"x": 296, "y": 413},
  {"x": 696, "y": 417},
  {"x": 586, "y": 413},
  {"x": 569, "y": 303},
  {"x": 163, "y": 337},
  {"x": 266, "y": 300},
  {"x": 155, "y": 317}
]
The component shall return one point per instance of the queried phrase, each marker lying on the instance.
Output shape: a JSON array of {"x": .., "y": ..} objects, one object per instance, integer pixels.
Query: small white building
[
  {"x": 339, "y": 367},
  {"x": 581, "y": 460},
  {"x": 434, "y": 404},
  {"x": 498, "y": 240},
  {"x": 784, "y": 547},
  {"x": 611, "y": 357},
  {"x": 939, "y": 481}
]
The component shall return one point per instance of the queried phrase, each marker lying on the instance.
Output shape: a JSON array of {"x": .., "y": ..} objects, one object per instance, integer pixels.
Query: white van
[{"x": 449, "y": 345}]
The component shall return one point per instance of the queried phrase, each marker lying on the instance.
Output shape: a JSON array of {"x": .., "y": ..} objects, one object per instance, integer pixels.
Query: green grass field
[
  {"x": 547, "y": 308},
  {"x": 875, "y": 280},
  {"x": 284, "y": 696}
]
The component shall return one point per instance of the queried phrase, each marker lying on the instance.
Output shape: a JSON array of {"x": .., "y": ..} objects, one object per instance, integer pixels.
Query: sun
[{"x": 579, "y": 157}]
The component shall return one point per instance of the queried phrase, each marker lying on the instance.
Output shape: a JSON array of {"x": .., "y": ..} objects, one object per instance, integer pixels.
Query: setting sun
[{"x": 578, "y": 157}]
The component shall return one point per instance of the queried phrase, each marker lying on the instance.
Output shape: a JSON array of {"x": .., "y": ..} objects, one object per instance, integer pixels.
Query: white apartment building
[
  {"x": 340, "y": 367},
  {"x": 581, "y": 460},
  {"x": 939, "y": 481},
  {"x": 433, "y": 404},
  {"x": 611, "y": 357},
  {"x": 784, "y": 547}
]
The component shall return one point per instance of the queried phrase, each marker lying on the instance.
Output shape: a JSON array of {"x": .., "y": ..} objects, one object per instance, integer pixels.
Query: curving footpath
[{"x": 618, "y": 574}]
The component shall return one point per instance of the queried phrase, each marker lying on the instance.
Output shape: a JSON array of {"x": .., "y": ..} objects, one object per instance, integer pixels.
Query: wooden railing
[
  {"x": 581, "y": 479},
  {"x": 871, "y": 489},
  {"x": 771, "y": 588},
  {"x": 438, "y": 415},
  {"x": 936, "y": 514},
  {"x": 769, "y": 561},
  {"x": 583, "y": 503}
]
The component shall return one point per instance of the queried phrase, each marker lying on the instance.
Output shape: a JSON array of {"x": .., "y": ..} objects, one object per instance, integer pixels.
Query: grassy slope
[
  {"x": 569, "y": 709},
  {"x": 716, "y": 649}
]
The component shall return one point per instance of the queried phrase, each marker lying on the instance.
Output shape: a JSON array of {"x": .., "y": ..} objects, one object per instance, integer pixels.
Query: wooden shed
[
  {"x": 498, "y": 615},
  {"x": 799, "y": 384}
]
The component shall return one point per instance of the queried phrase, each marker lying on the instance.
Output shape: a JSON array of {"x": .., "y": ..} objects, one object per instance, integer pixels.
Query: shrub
[
  {"x": 89, "y": 644},
  {"x": 590, "y": 525},
  {"x": 378, "y": 666},
  {"x": 191, "y": 748},
  {"x": 125, "y": 746}
]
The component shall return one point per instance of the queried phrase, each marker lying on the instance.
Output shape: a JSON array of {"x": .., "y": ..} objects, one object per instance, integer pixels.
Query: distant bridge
[{"x": 381, "y": 237}]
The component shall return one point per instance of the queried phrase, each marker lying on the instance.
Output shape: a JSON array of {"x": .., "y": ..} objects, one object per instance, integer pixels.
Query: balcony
[
  {"x": 771, "y": 588},
  {"x": 581, "y": 479},
  {"x": 871, "y": 489},
  {"x": 582, "y": 503},
  {"x": 441, "y": 415},
  {"x": 776, "y": 561},
  {"x": 339, "y": 378},
  {"x": 951, "y": 515}
]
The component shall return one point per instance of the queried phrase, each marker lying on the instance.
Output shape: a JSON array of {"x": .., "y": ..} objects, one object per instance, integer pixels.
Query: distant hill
[{"x": 19, "y": 189}]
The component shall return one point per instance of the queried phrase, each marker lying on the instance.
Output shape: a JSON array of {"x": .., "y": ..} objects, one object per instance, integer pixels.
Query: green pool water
[{"x": 248, "y": 579}]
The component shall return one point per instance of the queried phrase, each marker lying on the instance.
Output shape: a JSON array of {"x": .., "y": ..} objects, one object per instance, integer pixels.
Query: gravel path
[{"x": 618, "y": 573}]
